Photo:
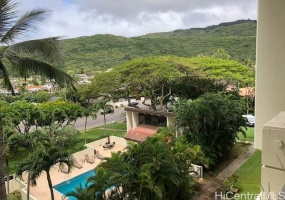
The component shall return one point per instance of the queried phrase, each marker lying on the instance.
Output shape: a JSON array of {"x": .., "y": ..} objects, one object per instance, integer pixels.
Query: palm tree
[
  {"x": 105, "y": 106},
  {"x": 89, "y": 111},
  {"x": 43, "y": 160},
  {"x": 99, "y": 183},
  {"x": 80, "y": 193},
  {"x": 15, "y": 56}
]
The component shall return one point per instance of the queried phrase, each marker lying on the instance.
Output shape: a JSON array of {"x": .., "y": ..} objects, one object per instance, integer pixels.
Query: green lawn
[
  {"x": 249, "y": 135},
  {"x": 120, "y": 126},
  {"x": 250, "y": 174}
]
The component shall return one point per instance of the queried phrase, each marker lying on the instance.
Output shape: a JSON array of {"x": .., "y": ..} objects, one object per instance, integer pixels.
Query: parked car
[
  {"x": 133, "y": 103},
  {"x": 107, "y": 111},
  {"x": 250, "y": 120}
]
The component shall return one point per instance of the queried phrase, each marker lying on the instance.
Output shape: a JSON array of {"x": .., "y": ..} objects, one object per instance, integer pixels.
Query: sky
[{"x": 75, "y": 18}]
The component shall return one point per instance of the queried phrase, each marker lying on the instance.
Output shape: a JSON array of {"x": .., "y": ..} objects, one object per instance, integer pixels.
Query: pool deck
[{"x": 42, "y": 192}]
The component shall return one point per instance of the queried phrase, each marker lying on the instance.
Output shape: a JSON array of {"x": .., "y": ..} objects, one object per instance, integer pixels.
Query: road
[{"x": 117, "y": 116}]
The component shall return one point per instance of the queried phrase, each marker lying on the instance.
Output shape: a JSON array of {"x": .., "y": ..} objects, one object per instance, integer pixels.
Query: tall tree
[
  {"x": 89, "y": 111},
  {"x": 14, "y": 55},
  {"x": 212, "y": 121},
  {"x": 41, "y": 161},
  {"x": 105, "y": 107},
  {"x": 222, "y": 54}
]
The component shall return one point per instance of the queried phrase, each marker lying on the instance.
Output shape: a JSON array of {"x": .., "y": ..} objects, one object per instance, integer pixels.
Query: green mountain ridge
[{"x": 103, "y": 51}]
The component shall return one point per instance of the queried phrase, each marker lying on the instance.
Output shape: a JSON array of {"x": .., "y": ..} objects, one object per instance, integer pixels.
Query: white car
[{"x": 250, "y": 120}]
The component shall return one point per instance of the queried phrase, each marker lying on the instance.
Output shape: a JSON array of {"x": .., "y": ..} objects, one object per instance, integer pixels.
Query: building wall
[
  {"x": 270, "y": 70},
  {"x": 270, "y": 95},
  {"x": 273, "y": 157},
  {"x": 132, "y": 119}
]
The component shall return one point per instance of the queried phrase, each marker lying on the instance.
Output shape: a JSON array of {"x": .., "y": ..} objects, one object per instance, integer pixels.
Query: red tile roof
[{"x": 141, "y": 132}]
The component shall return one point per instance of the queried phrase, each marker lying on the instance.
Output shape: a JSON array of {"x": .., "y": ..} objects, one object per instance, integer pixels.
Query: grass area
[
  {"x": 237, "y": 150},
  {"x": 249, "y": 135},
  {"x": 95, "y": 134},
  {"x": 91, "y": 135},
  {"x": 250, "y": 174},
  {"x": 120, "y": 126}
]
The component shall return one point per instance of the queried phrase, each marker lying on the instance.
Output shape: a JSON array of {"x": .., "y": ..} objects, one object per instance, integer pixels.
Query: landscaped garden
[
  {"x": 218, "y": 151},
  {"x": 236, "y": 151},
  {"x": 91, "y": 135},
  {"x": 249, "y": 174}
]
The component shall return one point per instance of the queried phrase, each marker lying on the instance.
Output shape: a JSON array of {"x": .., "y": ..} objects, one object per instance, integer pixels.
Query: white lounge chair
[
  {"x": 63, "y": 169},
  {"x": 76, "y": 164},
  {"x": 89, "y": 160},
  {"x": 98, "y": 155}
]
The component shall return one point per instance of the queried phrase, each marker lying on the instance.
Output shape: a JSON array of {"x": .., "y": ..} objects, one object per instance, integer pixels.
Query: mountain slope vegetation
[{"x": 99, "y": 52}]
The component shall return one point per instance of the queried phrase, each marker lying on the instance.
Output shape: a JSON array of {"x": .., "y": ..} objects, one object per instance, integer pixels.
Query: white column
[
  {"x": 170, "y": 120},
  {"x": 270, "y": 76},
  {"x": 129, "y": 120},
  {"x": 135, "y": 119}
]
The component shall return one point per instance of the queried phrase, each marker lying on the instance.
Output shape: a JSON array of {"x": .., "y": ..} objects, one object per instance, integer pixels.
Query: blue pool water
[{"x": 71, "y": 184}]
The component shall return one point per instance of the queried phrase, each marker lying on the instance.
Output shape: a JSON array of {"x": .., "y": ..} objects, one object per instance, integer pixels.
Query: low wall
[
  {"x": 24, "y": 195},
  {"x": 15, "y": 184}
]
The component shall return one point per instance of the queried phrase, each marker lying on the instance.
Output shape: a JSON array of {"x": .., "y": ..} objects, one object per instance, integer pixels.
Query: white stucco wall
[
  {"x": 273, "y": 157},
  {"x": 270, "y": 70}
]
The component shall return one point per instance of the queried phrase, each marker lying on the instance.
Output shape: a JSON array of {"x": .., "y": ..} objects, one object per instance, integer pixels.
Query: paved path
[{"x": 208, "y": 188}]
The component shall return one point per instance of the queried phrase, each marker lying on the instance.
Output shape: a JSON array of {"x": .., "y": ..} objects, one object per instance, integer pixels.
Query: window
[{"x": 153, "y": 120}]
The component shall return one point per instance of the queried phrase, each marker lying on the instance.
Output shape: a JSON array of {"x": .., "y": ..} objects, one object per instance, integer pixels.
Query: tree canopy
[
  {"x": 156, "y": 78},
  {"x": 211, "y": 121}
]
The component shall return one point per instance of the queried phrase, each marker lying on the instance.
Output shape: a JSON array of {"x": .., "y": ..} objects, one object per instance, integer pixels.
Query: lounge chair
[
  {"x": 88, "y": 159},
  {"x": 98, "y": 155},
  {"x": 76, "y": 164},
  {"x": 109, "y": 146},
  {"x": 63, "y": 169}
]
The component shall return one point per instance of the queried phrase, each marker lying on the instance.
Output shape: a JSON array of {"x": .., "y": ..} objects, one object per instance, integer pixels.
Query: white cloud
[{"x": 74, "y": 18}]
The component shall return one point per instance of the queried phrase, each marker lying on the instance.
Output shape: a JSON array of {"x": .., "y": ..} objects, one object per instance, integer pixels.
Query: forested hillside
[{"x": 99, "y": 52}]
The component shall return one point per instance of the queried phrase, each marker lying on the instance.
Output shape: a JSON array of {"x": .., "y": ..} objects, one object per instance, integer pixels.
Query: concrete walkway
[{"x": 209, "y": 188}]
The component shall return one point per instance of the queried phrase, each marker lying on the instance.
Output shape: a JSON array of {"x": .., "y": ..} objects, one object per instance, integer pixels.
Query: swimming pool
[{"x": 71, "y": 184}]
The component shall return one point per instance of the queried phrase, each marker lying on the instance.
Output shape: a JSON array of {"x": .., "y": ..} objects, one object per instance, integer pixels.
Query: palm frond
[
  {"x": 5, "y": 76},
  {"x": 7, "y": 15},
  {"x": 26, "y": 65},
  {"x": 47, "y": 47},
  {"x": 24, "y": 25}
]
